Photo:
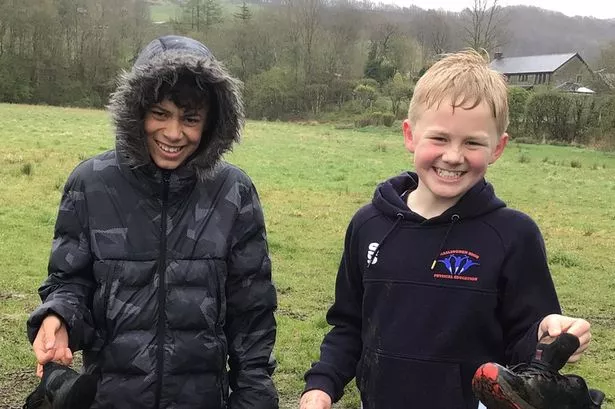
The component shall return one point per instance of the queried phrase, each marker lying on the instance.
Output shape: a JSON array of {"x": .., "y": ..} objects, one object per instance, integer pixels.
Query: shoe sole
[{"x": 494, "y": 392}]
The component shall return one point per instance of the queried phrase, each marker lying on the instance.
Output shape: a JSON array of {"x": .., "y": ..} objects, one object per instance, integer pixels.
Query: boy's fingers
[
  {"x": 49, "y": 342},
  {"x": 585, "y": 340},
  {"x": 43, "y": 355},
  {"x": 39, "y": 370},
  {"x": 551, "y": 325},
  {"x": 66, "y": 357},
  {"x": 579, "y": 327}
]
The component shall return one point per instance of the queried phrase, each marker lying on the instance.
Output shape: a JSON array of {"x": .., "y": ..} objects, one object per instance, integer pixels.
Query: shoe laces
[{"x": 533, "y": 369}]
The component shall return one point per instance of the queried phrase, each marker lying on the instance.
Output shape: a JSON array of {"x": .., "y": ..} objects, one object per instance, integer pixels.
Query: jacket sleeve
[
  {"x": 251, "y": 301},
  {"x": 527, "y": 293},
  {"x": 341, "y": 348},
  {"x": 67, "y": 290}
]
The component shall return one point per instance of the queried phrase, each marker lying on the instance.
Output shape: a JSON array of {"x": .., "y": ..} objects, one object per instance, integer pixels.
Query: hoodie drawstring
[
  {"x": 454, "y": 219},
  {"x": 400, "y": 217}
]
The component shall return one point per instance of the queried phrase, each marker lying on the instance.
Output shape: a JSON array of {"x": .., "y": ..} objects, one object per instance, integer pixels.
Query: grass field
[
  {"x": 164, "y": 12},
  {"x": 311, "y": 179}
]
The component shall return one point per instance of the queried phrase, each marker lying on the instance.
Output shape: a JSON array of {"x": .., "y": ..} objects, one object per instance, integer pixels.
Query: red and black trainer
[{"x": 537, "y": 385}]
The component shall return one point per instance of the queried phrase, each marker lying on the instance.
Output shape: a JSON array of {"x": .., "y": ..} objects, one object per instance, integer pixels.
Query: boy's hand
[
  {"x": 555, "y": 324},
  {"x": 51, "y": 344},
  {"x": 315, "y": 399}
]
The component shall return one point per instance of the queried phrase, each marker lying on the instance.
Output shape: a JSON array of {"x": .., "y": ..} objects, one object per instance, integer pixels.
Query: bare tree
[
  {"x": 439, "y": 33},
  {"x": 484, "y": 25},
  {"x": 342, "y": 25}
]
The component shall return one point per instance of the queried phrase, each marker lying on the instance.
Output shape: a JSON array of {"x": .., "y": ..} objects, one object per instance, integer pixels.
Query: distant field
[
  {"x": 163, "y": 12},
  {"x": 311, "y": 179}
]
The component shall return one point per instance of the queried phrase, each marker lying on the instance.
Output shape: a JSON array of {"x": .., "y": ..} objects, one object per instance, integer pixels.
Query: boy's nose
[
  {"x": 173, "y": 130},
  {"x": 452, "y": 155}
]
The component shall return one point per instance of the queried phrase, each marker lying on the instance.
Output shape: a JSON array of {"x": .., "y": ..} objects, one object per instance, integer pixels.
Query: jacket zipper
[{"x": 162, "y": 264}]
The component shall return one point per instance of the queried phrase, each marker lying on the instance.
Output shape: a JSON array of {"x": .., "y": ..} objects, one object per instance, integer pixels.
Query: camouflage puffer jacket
[{"x": 163, "y": 277}]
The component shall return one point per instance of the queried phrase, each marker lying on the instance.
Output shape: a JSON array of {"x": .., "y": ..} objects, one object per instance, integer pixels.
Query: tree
[
  {"x": 307, "y": 14},
  {"x": 380, "y": 64},
  {"x": 342, "y": 28},
  {"x": 244, "y": 14},
  {"x": 484, "y": 25},
  {"x": 439, "y": 34},
  {"x": 241, "y": 42},
  {"x": 202, "y": 15},
  {"x": 400, "y": 92}
]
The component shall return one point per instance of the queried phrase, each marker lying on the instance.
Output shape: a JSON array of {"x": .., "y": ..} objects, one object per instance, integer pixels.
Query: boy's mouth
[
  {"x": 449, "y": 174},
  {"x": 169, "y": 149}
]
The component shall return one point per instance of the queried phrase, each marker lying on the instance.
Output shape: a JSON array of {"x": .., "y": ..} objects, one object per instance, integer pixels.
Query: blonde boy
[{"x": 438, "y": 275}]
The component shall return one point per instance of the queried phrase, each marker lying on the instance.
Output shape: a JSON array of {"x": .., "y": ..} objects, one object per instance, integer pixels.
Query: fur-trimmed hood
[{"x": 161, "y": 61}]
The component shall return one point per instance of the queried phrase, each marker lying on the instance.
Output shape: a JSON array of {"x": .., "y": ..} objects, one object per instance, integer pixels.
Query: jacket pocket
[{"x": 387, "y": 381}]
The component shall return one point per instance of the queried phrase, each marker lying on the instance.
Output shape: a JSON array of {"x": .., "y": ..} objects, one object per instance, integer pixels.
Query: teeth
[
  {"x": 169, "y": 149},
  {"x": 449, "y": 174}
]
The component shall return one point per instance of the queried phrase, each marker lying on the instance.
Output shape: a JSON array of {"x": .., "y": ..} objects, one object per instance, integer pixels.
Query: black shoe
[
  {"x": 536, "y": 385},
  {"x": 62, "y": 388}
]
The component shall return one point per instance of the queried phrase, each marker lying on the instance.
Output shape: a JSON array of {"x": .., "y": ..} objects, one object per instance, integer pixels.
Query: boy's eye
[
  {"x": 192, "y": 120},
  {"x": 475, "y": 143},
  {"x": 158, "y": 114}
]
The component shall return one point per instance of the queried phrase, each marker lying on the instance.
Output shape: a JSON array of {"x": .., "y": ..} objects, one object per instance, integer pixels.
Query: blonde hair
[{"x": 466, "y": 80}]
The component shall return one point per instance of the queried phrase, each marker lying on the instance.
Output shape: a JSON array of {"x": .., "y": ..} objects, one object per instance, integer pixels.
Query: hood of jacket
[
  {"x": 479, "y": 200},
  {"x": 161, "y": 61}
]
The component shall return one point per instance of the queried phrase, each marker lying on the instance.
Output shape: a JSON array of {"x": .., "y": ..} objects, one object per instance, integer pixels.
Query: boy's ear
[
  {"x": 408, "y": 136},
  {"x": 499, "y": 148}
]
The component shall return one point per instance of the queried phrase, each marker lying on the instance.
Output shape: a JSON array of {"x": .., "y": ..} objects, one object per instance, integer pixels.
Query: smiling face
[
  {"x": 173, "y": 133},
  {"x": 452, "y": 150}
]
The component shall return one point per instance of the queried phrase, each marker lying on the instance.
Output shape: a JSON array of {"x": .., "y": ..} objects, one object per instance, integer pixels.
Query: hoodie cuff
[
  {"x": 36, "y": 320},
  {"x": 323, "y": 383},
  {"x": 526, "y": 348}
]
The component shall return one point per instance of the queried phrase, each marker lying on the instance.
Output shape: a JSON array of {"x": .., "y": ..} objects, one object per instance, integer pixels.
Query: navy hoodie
[{"x": 421, "y": 303}]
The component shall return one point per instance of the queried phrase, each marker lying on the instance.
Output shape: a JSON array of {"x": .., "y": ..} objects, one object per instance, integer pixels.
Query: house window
[
  {"x": 522, "y": 77},
  {"x": 540, "y": 78},
  {"x": 579, "y": 79}
]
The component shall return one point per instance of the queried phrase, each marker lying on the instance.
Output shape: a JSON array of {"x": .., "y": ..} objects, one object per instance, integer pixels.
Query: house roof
[{"x": 530, "y": 64}]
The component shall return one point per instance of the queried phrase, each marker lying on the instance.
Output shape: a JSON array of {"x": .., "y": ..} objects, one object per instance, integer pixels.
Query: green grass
[
  {"x": 164, "y": 12},
  {"x": 311, "y": 179}
]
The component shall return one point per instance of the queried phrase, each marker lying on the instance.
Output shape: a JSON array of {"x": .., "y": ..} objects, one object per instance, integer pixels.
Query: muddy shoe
[
  {"x": 62, "y": 388},
  {"x": 537, "y": 385}
]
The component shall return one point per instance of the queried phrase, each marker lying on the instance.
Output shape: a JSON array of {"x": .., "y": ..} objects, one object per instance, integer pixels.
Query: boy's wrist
[{"x": 321, "y": 383}]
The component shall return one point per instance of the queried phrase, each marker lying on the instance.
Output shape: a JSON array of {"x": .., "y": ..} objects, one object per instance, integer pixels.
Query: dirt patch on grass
[{"x": 15, "y": 386}]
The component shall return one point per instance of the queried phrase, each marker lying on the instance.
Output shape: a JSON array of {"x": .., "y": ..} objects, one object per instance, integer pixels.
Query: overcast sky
[{"x": 591, "y": 8}]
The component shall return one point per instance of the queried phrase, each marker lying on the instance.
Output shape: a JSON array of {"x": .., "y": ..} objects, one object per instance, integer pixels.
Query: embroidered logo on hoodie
[
  {"x": 371, "y": 253},
  {"x": 455, "y": 264}
]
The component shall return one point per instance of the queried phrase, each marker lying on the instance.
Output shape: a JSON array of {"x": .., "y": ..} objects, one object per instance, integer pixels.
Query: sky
[{"x": 604, "y": 9}]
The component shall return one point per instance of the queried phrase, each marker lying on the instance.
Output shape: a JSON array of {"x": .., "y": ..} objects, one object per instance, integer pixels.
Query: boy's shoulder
[
  {"x": 90, "y": 168},
  {"x": 512, "y": 224},
  {"x": 364, "y": 214}
]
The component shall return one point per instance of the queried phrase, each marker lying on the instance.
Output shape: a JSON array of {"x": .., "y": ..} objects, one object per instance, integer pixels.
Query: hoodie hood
[
  {"x": 162, "y": 61},
  {"x": 480, "y": 199}
]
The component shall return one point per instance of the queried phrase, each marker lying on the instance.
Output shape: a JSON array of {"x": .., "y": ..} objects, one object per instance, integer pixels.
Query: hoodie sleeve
[
  {"x": 341, "y": 348},
  {"x": 251, "y": 302},
  {"x": 527, "y": 293},
  {"x": 67, "y": 290}
]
